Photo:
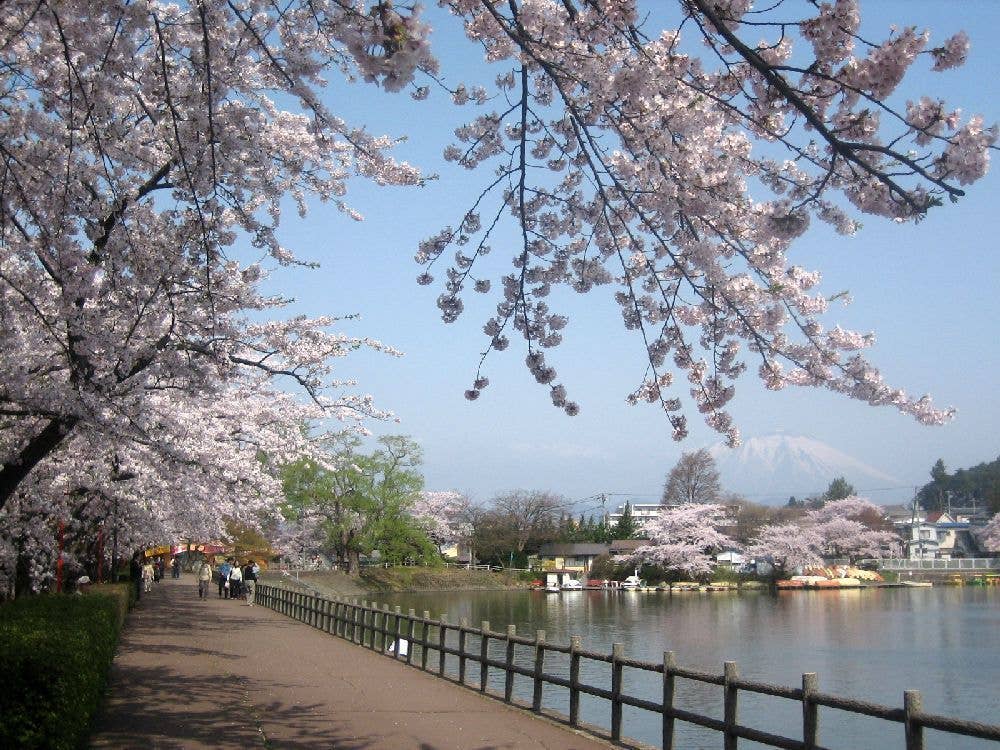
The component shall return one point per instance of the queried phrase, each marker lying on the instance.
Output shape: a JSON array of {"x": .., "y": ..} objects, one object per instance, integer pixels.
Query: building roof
[
  {"x": 573, "y": 549},
  {"x": 939, "y": 516},
  {"x": 902, "y": 511},
  {"x": 618, "y": 546}
]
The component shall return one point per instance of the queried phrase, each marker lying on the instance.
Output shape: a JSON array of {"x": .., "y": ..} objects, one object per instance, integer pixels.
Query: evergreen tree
[
  {"x": 839, "y": 489},
  {"x": 626, "y": 527}
]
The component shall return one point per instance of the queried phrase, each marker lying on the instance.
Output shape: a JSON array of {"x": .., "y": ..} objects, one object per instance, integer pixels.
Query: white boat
[
  {"x": 921, "y": 584},
  {"x": 632, "y": 582},
  {"x": 552, "y": 588},
  {"x": 571, "y": 584}
]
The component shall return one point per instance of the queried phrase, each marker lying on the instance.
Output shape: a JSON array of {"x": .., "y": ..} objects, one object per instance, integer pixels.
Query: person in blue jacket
[{"x": 224, "y": 578}]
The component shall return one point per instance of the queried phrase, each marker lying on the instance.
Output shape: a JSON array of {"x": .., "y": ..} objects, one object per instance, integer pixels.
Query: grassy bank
[
  {"x": 55, "y": 653},
  {"x": 384, "y": 580}
]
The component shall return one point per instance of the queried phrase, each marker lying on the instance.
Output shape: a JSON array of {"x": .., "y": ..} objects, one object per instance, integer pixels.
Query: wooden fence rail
[{"x": 390, "y": 631}]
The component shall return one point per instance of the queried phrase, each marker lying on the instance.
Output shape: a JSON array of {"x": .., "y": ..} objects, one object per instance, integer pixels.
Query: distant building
[
  {"x": 641, "y": 513},
  {"x": 457, "y": 553},
  {"x": 730, "y": 559},
  {"x": 625, "y": 547},
  {"x": 577, "y": 557},
  {"x": 937, "y": 536}
]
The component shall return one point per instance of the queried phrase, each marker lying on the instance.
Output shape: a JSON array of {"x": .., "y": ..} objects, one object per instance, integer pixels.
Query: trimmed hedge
[{"x": 55, "y": 655}]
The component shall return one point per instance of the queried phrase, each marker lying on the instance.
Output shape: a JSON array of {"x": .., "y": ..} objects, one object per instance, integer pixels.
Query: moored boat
[
  {"x": 684, "y": 586},
  {"x": 790, "y": 584}
]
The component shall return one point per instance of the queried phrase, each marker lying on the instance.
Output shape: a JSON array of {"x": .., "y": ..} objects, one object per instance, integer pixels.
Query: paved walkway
[{"x": 219, "y": 674}]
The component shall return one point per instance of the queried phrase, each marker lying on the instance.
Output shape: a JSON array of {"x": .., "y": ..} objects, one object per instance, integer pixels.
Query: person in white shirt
[
  {"x": 204, "y": 579},
  {"x": 236, "y": 582}
]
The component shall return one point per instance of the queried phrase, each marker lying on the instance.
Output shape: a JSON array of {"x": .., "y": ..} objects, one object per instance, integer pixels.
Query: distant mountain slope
[{"x": 770, "y": 468}]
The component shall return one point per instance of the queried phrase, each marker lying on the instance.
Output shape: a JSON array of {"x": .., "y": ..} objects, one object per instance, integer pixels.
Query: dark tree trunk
[
  {"x": 22, "y": 576},
  {"x": 40, "y": 446},
  {"x": 353, "y": 562}
]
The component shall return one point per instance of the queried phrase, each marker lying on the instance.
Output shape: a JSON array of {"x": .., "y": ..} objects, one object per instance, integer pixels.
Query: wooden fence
[{"x": 380, "y": 629}]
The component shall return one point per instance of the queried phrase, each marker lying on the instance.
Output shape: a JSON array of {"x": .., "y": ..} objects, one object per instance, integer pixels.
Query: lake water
[{"x": 869, "y": 644}]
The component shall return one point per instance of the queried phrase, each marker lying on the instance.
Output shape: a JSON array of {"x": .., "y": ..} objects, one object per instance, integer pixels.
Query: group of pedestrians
[{"x": 235, "y": 581}]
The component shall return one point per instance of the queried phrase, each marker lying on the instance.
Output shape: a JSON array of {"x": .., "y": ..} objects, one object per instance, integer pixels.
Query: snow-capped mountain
[{"x": 771, "y": 468}]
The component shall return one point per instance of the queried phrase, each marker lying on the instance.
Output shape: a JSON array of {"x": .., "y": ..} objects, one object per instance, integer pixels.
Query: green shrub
[{"x": 55, "y": 653}]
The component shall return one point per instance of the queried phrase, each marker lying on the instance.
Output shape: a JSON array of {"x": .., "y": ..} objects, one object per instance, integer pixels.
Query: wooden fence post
[
  {"x": 425, "y": 637},
  {"x": 442, "y": 642},
  {"x": 397, "y": 643},
  {"x": 810, "y": 711},
  {"x": 536, "y": 696},
  {"x": 411, "y": 624},
  {"x": 574, "y": 680},
  {"x": 484, "y": 654},
  {"x": 463, "y": 626},
  {"x": 617, "y": 653},
  {"x": 669, "y": 681},
  {"x": 508, "y": 684},
  {"x": 730, "y": 705},
  {"x": 913, "y": 705},
  {"x": 385, "y": 628}
]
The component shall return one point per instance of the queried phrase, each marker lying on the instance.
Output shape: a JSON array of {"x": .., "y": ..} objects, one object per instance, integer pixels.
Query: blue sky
[{"x": 928, "y": 290}]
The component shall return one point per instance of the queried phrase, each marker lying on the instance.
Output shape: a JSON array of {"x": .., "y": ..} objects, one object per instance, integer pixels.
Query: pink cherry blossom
[{"x": 685, "y": 538}]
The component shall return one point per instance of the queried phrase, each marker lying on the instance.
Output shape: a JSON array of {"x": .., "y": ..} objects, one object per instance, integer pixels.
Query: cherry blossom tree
[
  {"x": 850, "y": 527},
  {"x": 685, "y": 538},
  {"x": 444, "y": 516},
  {"x": 140, "y": 141},
  {"x": 854, "y": 527},
  {"x": 199, "y": 464},
  {"x": 787, "y": 546},
  {"x": 629, "y": 160},
  {"x": 989, "y": 535}
]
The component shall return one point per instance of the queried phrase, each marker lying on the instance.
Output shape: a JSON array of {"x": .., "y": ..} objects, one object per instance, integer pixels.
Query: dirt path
[{"x": 219, "y": 674}]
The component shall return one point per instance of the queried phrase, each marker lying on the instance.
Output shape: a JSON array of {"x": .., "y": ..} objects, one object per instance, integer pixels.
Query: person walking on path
[
  {"x": 250, "y": 571},
  {"x": 147, "y": 576},
  {"x": 224, "y": 578},
  {"x": 236, "y": 582},
  {"x": 204, "y": 579},
  {"x": 135, "y": 573},
  {"x": 175, "y": 567}
]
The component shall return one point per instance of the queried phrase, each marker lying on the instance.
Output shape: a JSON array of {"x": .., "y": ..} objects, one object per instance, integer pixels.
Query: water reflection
[{"x": 869, "y": 644}]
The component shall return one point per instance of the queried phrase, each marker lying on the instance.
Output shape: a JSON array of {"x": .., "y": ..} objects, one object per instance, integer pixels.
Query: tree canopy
[
  {"x": 149, "y": 149},
  {"x": 976, "y": 486},
  {"x": 359, "y": 504},
  {"x": 694, "y": 479}
]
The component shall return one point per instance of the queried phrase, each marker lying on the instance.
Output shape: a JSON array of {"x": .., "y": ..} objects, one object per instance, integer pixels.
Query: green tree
[
  {"x": 839, "y": 489},
  {"x": 361, "y": 507},
  {"x": 626, "y": 528}
]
